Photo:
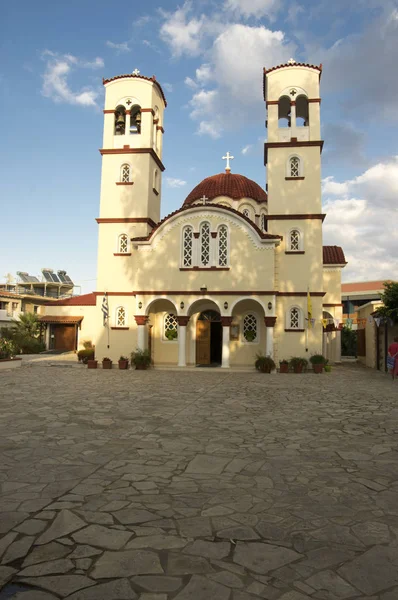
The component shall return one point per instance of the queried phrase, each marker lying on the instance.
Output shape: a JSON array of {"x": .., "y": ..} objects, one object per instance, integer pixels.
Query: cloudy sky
[{"x": 208, "y": 55}]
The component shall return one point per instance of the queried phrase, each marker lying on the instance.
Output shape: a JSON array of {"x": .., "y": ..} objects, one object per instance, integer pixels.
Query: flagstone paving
[{"x": 160, "y": 485}]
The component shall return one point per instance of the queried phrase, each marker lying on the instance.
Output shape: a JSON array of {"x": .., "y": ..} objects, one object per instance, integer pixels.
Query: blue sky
[{"x": 208, "y": 56}]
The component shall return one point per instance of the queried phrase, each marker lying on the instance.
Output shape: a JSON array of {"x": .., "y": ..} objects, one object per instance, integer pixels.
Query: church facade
[{"x": 237, "y": 270}]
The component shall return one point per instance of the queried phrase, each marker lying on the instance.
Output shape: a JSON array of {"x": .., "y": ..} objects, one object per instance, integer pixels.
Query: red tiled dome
[
  {"x": 333, "y": 255},
  {"x": 231, "y": 185}
]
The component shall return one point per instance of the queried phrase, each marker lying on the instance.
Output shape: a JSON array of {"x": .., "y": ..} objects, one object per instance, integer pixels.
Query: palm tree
[{"x": 28, "y": 325}]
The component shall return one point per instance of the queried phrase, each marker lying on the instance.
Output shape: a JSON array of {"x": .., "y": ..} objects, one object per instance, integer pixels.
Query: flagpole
[{"x": 108, "y": 329}]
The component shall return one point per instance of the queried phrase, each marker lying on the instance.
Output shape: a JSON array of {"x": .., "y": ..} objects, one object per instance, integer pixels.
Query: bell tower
[{"x": 292, "y": 152}]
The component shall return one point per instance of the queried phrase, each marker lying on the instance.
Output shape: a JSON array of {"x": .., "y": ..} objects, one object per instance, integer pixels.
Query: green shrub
[
  {"x": 318, "y": 359},
  {"x": 88, "y": 345},
  {"x": 29, "y": 345},
  {"x": 265, "y": 364},
  {"x": 8, "y": 348},
  {"x": 141, "y": 357},
  {"x": 85, "y": 355},
  {"x": 297, "y": 361}
]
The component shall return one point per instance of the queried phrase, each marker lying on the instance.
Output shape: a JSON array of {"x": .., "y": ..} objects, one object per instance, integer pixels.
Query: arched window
[
  {"x": 295, "y": 240},
  {"x": 123, "y": 244},
  {"x": 205, "y": 244},
  {"x": 263, "y": 222},
  {"x": 170, "y": 329},
  {"x": 222, "y": 246},
  {"x": 125, "y": 174},
  {"x": 294, "y": 167},
  {"x": 302, "y": 114},
  {"x": 156, "y": 180},
  {"x": 187, "y": 246},
  {"x": 135, "y": 119},
  {"x": 246, "y": 212},
  {"x": 295, "y": 318},
  {"x": 120, "y": 120},
  {"x": 284, "y": 116},
  {"x": 250, "y": 328},
  {"x": 121, "y": 317}
]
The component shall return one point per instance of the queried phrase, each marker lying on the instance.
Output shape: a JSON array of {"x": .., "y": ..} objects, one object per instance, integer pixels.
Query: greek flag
[{"x": 105, "y": 309}]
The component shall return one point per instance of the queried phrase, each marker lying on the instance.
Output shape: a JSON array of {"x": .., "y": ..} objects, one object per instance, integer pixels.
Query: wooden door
[
  {"x": 65, "y": 337},
  {"x": 203, "y": 342}
]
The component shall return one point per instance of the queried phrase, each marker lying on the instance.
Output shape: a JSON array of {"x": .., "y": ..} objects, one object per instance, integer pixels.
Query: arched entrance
[{"x": 209, "y": 338}]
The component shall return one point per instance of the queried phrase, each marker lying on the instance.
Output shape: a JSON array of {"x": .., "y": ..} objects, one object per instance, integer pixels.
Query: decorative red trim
[
  {"x": 128, "y": 112},
  {"x": 270, "y": 321},
  {"x": 204, "y": 269},
  {"x": 199, "y": 293},
  {"x": 150, "y": 222},
  {"x": 328, "y": 304},
  {"x": 226, "y": 321},
  {"x": 294, "y": 252},
  {"x": 271, "y": 102},
  {"x": 315, "y": 100},
  {"x": 300, "y": 293},
  {"x": 122, "y": 328},
  {"x": 124, "y": 182},
  {"x": 294, "y": 178},
  {"x": 196, "y": 234},
  {"x": 141, "y": 319},
  {"x": 294, "y": 142},
  {"x": 155, "y": 192},
  {"x": 295, "y": 330},
  {"x": 214, "y": 234},
  {"x": 148, "y": 110},
  {"x": 159, "y": 128},
  {"x": 292, "y": 103},
  {"x": 115, "y": 293},
  {"x": 108, "y": 112},
  {"x": 134, "y": 151},
  {"x": 155, "y": 121},
  {"x": 183, "y": 321},
  {"x": 122, "y": 254},
  {"x": 295, "y": 216}
]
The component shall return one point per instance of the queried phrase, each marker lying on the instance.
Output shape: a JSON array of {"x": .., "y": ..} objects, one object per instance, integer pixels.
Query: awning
[{"x": 61, "y": 319}]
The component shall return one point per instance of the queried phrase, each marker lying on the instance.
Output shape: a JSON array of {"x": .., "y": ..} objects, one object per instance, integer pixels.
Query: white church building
[{"x": 228, "y": 274}]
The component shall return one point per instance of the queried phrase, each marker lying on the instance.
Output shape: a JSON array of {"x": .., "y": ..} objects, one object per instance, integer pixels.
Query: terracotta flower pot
[
  {"x": 92, "y": 364},
  {"x": 123, "y": 364},
  {"x": 141, "y": 367},
  {"x": 318, "y": 368},
  {"x": 283, "y": 368},
  {"x": 107, "y": 364},
  {"x": 298, "y": 369}
]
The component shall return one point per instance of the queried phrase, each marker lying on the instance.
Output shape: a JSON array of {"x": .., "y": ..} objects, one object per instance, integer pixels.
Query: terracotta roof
[
  {"x": 363, "y": 286},
  {"x": 333, "y": 255},
  {"x": 266, "y": 71},
  {"x": 263, "y": 236},
  {"x": 153, "y": 79},
  {"x": 8, "y": 294},
  {"x": 231, "y": 185},
  {"x": 60, "y": 319},
  {"x": 84, "y": 300}
]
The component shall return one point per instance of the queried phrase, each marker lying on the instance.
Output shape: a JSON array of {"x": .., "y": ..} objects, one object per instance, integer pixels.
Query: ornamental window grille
[
  {"x": 294, "y": 318},
  {"x": 205, "y": 244},
  {"x": 170, "y": 327},
  {"x": 263, "y": 223},
  {"x": 222, "y": 246},
  {"x": 250, "y": 328},
  {"x": 294, "y": 167},
  {"x": 125, "y": 173},
  {"x": 294, "y": 240},
  {"x": 187, "y": 247},
  {"x": 121, "y": 317},
  {"x": 123, "y": 244},
  {"x": 246, "y": 212}
]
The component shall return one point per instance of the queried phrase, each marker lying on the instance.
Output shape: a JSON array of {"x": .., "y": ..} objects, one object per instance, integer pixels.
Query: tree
[
  {"x": 390, "y": 301},
  {"x": 28, "y": 325}
]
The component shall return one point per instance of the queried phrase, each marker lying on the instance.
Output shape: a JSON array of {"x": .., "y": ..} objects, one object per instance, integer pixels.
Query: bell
[{"x": 120, "y": 123}]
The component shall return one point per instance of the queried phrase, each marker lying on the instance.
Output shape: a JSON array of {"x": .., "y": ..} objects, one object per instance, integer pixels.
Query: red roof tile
[
  {"x": 363, "y": 286},
  {"x": 60, "y": 319},
  {"x": 231, "y": 185},
  {"x": 84, "y": 300},
  {"x": 266, "y": 71},
  {"x": 333, "y": 255},
  {"x": 153, "y": 79}
]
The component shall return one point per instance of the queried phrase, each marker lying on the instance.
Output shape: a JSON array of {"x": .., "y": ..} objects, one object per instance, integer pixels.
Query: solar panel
[
  {"x": 61, "y": 275},
  {"x": 47, "y": 275},
  {"x": 54, "y": 277},
  {"x": 33, "y": 279},
  {"x": 68, "y": 279},
  {"x": 23, "y": 276}
]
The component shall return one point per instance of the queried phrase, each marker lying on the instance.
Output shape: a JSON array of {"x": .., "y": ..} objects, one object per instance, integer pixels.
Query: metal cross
[
  {"x": 204, "y": 199},
  {"x": 136, "y": 72},
  {"x": 293, "y": 92},
  {"x": 291, "y": 61},
  {"x": 228, "y": 157},
  {"x": 128, "y": 102}
]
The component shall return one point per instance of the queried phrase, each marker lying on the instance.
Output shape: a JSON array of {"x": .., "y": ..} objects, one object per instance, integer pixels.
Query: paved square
[{"x": 201, "y": 485}]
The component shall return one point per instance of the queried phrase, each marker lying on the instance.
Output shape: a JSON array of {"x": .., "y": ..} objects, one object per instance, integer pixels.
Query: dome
[{"x": 231, "y": 185}]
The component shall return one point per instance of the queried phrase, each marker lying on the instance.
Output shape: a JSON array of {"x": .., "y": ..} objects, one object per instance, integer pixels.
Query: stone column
[
  {"x": 226, "y": 324},
  {"x": 141, "y": 321},
  {"x": 182, "y": 340},
  {"x": 269, "y": 342}
]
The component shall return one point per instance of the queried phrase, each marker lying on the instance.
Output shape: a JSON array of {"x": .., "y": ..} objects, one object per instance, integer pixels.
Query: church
[{"x": 238, "y": 269}]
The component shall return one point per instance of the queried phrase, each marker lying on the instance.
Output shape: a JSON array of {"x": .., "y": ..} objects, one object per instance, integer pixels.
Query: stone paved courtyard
[{"x": 200, "y": 485}]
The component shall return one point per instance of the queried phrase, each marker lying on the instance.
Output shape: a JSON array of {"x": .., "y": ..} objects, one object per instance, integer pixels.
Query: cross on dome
[
  {"x": 228, "y": 157},
  {"x": 204, "y": 199},
  {"x": 136, "y": 72},
  {"x": 291, "y": 61}
]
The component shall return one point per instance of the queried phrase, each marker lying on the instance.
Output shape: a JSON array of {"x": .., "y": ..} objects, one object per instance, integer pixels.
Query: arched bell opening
[
  {"x": 284, "y": 112},
  {"x": 302, "y": 113},
  {"x": 135, "y": 119},
  {"x": 120, "y": 120}
]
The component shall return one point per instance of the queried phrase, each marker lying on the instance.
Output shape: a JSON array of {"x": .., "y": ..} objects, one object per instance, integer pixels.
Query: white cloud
[
  {"x": 253, "y": 8},
  {"x": 175, "y": 183},
  {"x": 191, "y": 83},
  {"x": 55, "y": 79},
  {"x": 122, "y": 47},
  {"x": 247, "y": 149},
  {"x": 183, "y": 34},
  {"x": 204, "y": 73},
  {"x": 210, "y": 128},
  {"x": 168, "y": 87},
  {"x": 361, "y": 217}
]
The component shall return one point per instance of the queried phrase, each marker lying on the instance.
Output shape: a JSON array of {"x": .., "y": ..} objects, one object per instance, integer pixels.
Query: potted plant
[
  {"x": 327, "y": 367},
  {"x": 106, "y": 363},
  {"x": 92, "y": 363},
  {"x": 298, "y": 364},
  {"x": 85, "y": 355},
  {"x": 141, "y": 359},
  {"x": 318, "y": 361},
  {"x": 123, "y": 362},
  {"x": 250, "y": 335},
  {"x": 283, "y": 366},
  {"x": 264, "y": 364},
  {"x": 171, "y": 334}
]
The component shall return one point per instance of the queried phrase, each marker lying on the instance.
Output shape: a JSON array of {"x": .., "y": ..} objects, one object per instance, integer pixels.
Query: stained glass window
[
  {"x": 222, "y": 246},
  {"x": 250, "y": 328}
]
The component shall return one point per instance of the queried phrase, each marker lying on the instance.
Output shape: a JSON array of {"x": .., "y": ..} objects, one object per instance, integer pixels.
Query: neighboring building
[
  {"x": 354, "y": 295},
  {"x": 13, "y": 304},
  {"x": 226, "y": 276},
  {"x": 51, "y": 285},
  {"x": 374, "y": 336}
]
